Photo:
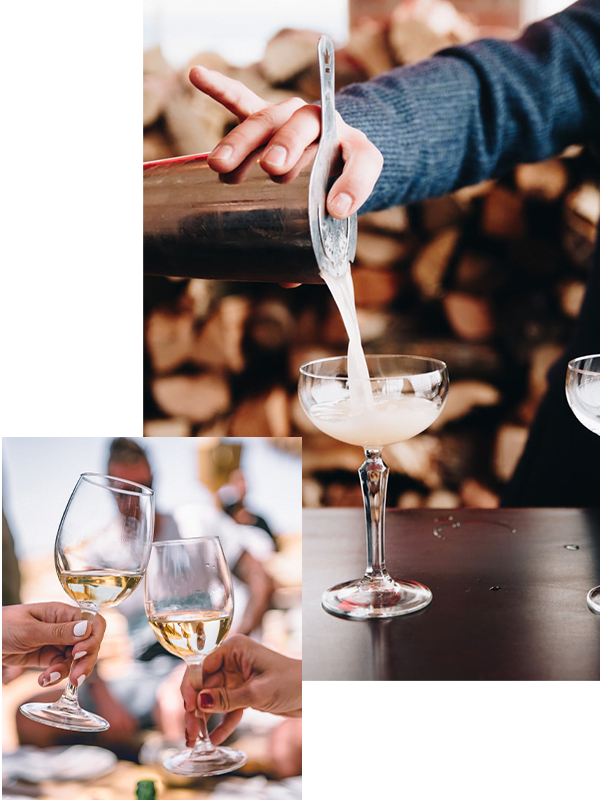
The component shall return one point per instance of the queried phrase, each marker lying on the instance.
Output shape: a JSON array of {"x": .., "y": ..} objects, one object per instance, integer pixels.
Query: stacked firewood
[{"x": 490, "y": 279}]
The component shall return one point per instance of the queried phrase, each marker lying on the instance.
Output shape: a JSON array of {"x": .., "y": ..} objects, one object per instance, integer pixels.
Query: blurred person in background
[
  {"x": 147, "y": 695},
  {"x": 11, "y": 574},
  {"x": 231, "y": 497}
]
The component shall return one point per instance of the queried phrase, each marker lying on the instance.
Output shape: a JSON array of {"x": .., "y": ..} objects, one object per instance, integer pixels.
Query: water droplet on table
[
  {"x": 495, "y": 588},
  {"x": 571, "y": 546}
]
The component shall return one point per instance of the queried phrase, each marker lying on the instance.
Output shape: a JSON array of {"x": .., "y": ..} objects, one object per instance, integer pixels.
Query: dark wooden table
[{"x": 509, "y": 598}]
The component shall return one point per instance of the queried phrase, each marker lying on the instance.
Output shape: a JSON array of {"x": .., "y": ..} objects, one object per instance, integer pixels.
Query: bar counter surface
[
  {"x": 509, "y": 595},
  {"x": 503, "y": 666}
]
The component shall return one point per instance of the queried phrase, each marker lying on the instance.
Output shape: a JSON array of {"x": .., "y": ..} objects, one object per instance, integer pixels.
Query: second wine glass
[{"x": 189, "y": 604}]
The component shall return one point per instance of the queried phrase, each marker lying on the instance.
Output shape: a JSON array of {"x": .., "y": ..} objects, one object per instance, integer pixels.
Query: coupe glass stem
[
  {"x": 373, "y": 478},
  {"x": 203, "y": 744}
]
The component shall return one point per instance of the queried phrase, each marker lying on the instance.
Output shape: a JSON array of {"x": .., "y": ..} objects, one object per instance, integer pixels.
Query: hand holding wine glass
[
  {"x": 242, "y": 674},
  {"x": 189, "y": 604},
  {"x": 583, "y": 395},
  {"x": 101, "y": 551},
  {"x": 49, "y": 636}
]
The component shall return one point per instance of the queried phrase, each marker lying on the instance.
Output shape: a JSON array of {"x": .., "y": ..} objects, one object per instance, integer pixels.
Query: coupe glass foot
[
  {"x": 593, "y": 600},
  {"x": 221, "y": 759},
  {"x": 370, "y": 598},
  {"x": 49, "y": 714}
]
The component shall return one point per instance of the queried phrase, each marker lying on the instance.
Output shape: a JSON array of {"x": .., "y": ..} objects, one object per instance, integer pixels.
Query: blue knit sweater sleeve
[{"x": 475, "y": 111}]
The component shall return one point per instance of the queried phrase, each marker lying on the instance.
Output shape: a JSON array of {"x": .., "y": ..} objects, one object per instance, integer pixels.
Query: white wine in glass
[
  {"x": 101, "y": 552},
  {"x": 401, "y": 397},
  {"x": 189, "y": 605},
  {"x": 582, "y": 387}
]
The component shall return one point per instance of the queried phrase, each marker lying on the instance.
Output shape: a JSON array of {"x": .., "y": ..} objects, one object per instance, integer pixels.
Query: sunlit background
[
  {"x": 39, "y": 475},
  {"x": 237, "y": 30}
]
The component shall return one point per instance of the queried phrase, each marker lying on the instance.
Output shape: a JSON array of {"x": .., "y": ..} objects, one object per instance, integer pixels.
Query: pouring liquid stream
[
  {"x": 362, "y": 418},
  {"x": 342, "y": 291}
]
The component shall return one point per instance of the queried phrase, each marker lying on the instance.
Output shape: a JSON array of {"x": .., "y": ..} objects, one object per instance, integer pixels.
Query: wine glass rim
[
  {"x": 573, "y": 364},
  {"x": 89, "y": 476},
  {"x": 305, "y": 371},
  {"x": 191, "y": 539}
]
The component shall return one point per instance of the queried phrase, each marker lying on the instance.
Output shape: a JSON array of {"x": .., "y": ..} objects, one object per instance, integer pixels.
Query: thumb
[
  {"x": 222, "y": 700},
  {"x": 363, "y": 163},
  {"x": 58, "y": 633}
]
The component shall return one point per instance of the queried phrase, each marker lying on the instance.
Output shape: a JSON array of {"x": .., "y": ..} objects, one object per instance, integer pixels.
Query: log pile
[{"x": 490, "y": 279}]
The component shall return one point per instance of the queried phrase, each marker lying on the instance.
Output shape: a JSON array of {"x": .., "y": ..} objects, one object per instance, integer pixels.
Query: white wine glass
[
  {"x": 582, "y": 387},
  {"x": 401, "y": 398},
  {"x": 189, "y": 604},
  {"x": 101, "y": 552}
]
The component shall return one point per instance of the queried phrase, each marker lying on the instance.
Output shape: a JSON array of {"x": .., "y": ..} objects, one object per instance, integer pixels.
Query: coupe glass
[
  {"x": 408, "y": 393},
  {"x": 189, "y": 604},
  {"x": 583, "y": 395},
  {"x": 101, "y": 552}
]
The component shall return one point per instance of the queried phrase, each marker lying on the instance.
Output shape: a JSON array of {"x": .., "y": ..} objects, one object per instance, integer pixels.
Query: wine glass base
[
  {"x": 48, "y": 714},
  {"x": 593, "y": 600},
  {"x": 376, "y": 598},
  {"x": 220, "y": 760}
]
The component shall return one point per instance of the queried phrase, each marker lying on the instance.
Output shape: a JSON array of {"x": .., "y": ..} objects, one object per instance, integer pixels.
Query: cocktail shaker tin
[{"x": 247, "y": 225}]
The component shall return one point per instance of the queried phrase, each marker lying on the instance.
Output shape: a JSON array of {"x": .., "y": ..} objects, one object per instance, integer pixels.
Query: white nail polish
[
  {"x": 80, "y": 654},
  {"x": 80, "y": 628},
  {"x": 80, "y": 680},
  {"x": 54, "y": 676}
]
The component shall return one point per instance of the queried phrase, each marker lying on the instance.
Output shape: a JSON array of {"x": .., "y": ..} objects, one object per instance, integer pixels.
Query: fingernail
[
  {"x": 80, "y": 680},
  {"x": 80, "y": 654},
  {"x": 223, "y": 152},
  {"x": 275, "y": 155},
  {"x": 341, "y": 204},
  {"x": 206, "y": 700},
  {"x": 54, "y": 676},
  {"x": 80, "y": 628}
]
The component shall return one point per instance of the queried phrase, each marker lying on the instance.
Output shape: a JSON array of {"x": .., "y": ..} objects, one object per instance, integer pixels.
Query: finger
[
  {"x": 56, "y": 672},
  {"x": 255, "y": 131},
  {"x": 221, "y": 700},
  {"x": 291, "y": 140},
  {"x": 189, "y": 694},
  {"x": 303, "y": 162},
  {"x": 86, "y": 652},
  {"x": 239, "y": 174},
  {"x": 38, "y": 633},
  {"x": 362, "y": 166},
  {"x": 226, "y": 727},
  {"x": 234, "y": 95},
  {"x": 231, "y": 655},
  {"x": 192, "y": 728}
]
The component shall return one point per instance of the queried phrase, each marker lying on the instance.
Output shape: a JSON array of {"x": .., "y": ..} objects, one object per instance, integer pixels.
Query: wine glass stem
[
  {"x": 203, "y": 743},
  {"x": 68, "y": 700},
  {"x": 373, "y": 478}
]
